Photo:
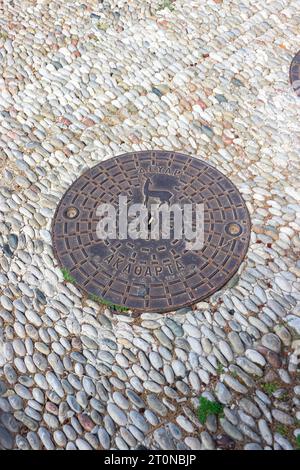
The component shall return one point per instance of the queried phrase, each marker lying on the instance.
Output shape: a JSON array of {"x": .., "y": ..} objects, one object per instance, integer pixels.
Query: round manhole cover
[
  {"x": 151, "y": 231},
  {"x": 295, "y": 73}
]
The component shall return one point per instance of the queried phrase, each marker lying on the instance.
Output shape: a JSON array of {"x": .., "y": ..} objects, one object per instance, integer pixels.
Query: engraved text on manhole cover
[{"x": 151, "y": 274}]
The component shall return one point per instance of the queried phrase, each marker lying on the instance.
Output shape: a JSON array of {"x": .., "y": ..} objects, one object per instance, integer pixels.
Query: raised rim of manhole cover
[
  {"x": 295, "y": 73},
  {"x": 168, "y": 271}
]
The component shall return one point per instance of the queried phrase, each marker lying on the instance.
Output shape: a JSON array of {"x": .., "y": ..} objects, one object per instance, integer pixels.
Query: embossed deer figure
[{"x": 161, "y": 194}]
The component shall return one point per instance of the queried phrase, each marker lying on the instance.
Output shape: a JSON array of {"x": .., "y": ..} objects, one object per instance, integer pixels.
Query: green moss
[
  {"x": 284, "y": 397},
  {"x": 67, "y": 276},
  {"x": 297, "y": 439},
  {"x": 207, "y": 407},
  {"x": 220, "y": 368},
  {"x": 281, "y": 429},
  {"x": 102, "y": 26},
  {"x": 166, "y": 4},
  {"x": 269, "y": 387},
  {"x": 112, "y": 306}
]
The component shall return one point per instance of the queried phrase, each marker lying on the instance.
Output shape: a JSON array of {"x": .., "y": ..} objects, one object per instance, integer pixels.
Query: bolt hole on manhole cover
[
  {"x": 151, "y": 231},
  {"x": 295, "y": 74}
]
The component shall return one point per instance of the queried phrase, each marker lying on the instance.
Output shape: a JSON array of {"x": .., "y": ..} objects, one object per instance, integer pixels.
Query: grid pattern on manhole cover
[
  {"x": 151, "y": 275},
  {"x": 295, "y": 74}
]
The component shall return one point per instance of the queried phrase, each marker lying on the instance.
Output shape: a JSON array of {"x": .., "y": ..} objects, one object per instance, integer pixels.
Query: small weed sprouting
[
  {"x": 207, "y": 407},
  {"x": 283, "y": 397},
  {"x": 166, "y": 4},
  {"x": 298, "y": 442},
  {"x": 102, "y": 26},
  {"x": 220, "y": 368},
  {"x": 281, "y": 429},
  {"x": 269, "y": 387},
  {"x": 99, "y": 300},
  {"x": 67, "y": 276}
]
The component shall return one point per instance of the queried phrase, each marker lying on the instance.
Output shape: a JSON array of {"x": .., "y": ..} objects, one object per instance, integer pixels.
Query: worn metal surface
[
  {"x": 151, "y": 275},
  {"x": 295, "y": 74}
]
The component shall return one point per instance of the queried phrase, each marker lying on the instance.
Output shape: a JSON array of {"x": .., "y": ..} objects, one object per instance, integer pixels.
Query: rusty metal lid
[{"x": 156, "y": 274}]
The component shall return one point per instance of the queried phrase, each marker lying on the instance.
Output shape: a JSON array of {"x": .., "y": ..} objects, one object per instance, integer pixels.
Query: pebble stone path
[{"x": 81, "y": 82}]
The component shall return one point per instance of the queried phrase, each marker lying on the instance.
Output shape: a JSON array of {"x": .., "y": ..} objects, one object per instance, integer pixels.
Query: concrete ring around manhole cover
[
  {"x": 295, "y": 74},
  {"x": 151, "y": 231}
]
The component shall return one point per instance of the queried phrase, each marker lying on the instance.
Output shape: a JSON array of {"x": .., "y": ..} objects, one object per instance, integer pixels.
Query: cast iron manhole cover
[
  {"x": 155, "y": 274},
  {"x": 295, "y": 73}
]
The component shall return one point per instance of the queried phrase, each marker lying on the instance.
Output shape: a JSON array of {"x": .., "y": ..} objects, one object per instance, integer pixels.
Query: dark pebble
[
  {"x": 157, "y": 92},
  {"x": 225, "y": 442},
  {"x": 9, "y": 422},
  {"x": 3, "y": 388},
  {"x": 247, "y": 339},
  {"x": 237, "y": 82},
  {"x": 141, "y": 447},
  {"x": 41, "y": 297},
  {"x": 221, "y": 98},
  {"x": 5, "y": 114},
  {"x": 207, "y": 130},
  {"x": 57, "y": 65},
  {"x": 272, "y": 357},
  {"x": 96, "y": 17},
  {"x": 6, "y": 439},
  {"x": 13, "y": 241},
  {"x": 7, "y": 250}
]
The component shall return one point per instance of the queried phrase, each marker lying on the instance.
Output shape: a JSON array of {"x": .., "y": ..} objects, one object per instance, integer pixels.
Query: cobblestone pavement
[{"x": 83, "y": 81}]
